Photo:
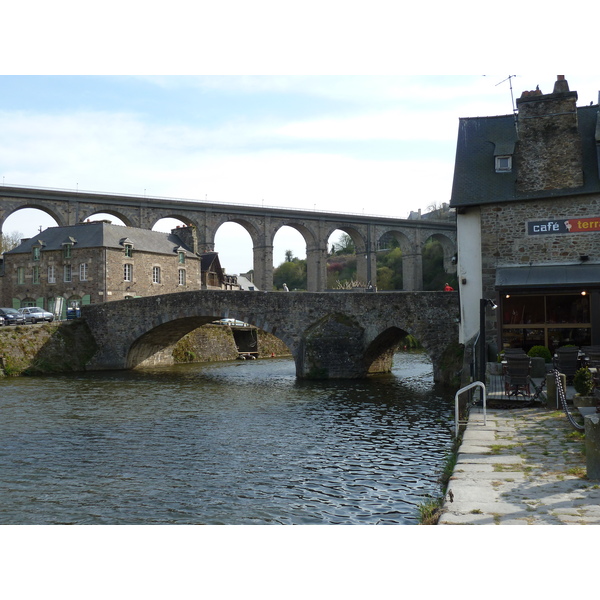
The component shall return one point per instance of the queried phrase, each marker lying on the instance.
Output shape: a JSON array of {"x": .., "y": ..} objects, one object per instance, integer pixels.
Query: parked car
[
  {"x": 34, "y": 314},
  {"x": 12, "y": 316},
  {"x": 1, "y": 320}
]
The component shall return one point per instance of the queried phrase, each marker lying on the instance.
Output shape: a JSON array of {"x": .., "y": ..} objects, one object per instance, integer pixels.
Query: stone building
[
  {"x": 97, "y": 262},
  {"x": 527, "y": 195}
]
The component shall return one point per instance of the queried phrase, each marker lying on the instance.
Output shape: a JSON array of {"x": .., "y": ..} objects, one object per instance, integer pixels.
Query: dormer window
[
  {"x": 127, "y": 247},
  {"x": 181, "y": 257},
  {"x": 36, "y": 252},
  {"x": 68, "y": 246},
  {"x": 504, "y": 164}
]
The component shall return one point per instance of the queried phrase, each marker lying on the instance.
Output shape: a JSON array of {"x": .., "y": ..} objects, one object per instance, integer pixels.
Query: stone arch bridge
[
  {"x": 330, "y": 335},
  {"x": 261, "y": 223}
]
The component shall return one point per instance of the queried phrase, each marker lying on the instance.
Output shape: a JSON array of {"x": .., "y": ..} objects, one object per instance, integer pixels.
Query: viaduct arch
[
  {"x": 261, "y": 223},
  {"x": 330, "y": 335}
]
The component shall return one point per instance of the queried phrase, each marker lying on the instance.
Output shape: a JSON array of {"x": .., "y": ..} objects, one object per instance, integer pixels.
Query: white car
[{"x": 34, "y": 314}]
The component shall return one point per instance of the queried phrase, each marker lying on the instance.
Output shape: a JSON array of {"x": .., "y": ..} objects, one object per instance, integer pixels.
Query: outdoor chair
[
  {"x": 516, "y": 375},
  {"x": 513, "y": 351},
  {"x": 566, "y": 360}
]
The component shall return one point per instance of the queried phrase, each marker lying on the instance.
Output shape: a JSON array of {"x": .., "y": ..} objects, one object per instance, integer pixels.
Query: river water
[{"x": 222, "y": 443}]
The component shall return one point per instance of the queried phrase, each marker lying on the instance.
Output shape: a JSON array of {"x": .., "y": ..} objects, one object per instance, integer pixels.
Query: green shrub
[
  {"x": 540, "y": 351},
  {"x": 583, "y": 382}
]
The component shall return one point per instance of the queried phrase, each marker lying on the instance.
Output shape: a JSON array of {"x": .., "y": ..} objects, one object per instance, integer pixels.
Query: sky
[
  {"x": 324, "y": 105},
  {"x": 374, "y": 144}
]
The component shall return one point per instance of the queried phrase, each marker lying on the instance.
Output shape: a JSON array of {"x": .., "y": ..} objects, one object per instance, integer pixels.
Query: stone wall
[
  {"x": 66, "y": 347},
  {"x": 45, "y": 348},
  {"x": 505, "y": 227},
  {"x": 548, "y": 154}
]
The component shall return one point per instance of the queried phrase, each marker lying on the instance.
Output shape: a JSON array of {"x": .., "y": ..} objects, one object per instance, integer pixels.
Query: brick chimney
[{"x": 548, "y": 152}]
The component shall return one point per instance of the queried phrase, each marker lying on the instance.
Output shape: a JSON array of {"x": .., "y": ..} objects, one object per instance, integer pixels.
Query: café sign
[{"x": 577, "y": 225}]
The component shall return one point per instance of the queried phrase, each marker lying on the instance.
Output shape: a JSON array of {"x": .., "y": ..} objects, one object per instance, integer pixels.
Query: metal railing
[{"x": 456, "y": 397}]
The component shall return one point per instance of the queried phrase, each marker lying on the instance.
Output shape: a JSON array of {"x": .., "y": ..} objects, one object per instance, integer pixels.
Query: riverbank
[{"x": 525, "y": 466}]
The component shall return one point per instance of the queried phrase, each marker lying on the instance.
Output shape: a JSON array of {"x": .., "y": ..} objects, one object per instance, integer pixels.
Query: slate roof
[
  {"x": 481, "y": 138},
  {"x": 98, "y": 234},
  {"x": 209, "y": 261}
]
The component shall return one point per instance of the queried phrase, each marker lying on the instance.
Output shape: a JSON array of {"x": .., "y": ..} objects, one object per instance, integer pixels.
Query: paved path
[{"x": 524, "y": 467}]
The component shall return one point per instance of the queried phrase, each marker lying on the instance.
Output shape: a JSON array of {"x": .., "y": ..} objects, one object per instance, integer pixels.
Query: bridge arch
[
  {"x": 330, "y": 335},
  {"x": 9, "y": 209},
  {"x": 109, "y": 213},
  {"x": 183, "y": 219}
]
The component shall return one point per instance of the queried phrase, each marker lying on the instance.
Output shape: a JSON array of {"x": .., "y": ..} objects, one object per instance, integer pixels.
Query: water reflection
[{"x": 231, "y": 443}]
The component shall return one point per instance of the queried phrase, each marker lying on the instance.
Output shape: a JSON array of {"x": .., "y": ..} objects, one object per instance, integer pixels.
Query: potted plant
[
  {"x": 584, "y": 385},
  {"x": 540, "y": 355}
]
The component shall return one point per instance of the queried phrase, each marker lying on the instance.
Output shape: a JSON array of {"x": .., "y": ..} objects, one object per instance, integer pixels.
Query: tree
[
  {"x": 291, "y": 273},
  {"x": 11, "y": 240},
  {"x": 344, "y": 245},
  {"x": 289, "y": 256}
]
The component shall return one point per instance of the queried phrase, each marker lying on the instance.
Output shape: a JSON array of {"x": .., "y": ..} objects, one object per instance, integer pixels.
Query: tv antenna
[{"x": 509, "y": 79}]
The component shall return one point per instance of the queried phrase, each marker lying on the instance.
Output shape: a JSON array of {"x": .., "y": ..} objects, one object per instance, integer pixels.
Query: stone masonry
[{"x": 330, "y": 335}]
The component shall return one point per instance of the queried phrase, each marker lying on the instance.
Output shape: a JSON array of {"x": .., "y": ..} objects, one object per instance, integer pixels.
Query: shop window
[{"x": 550, "y": 320}]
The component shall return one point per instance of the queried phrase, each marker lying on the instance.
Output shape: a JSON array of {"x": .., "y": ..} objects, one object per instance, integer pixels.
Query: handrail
[{"x": 466, "y": 388}]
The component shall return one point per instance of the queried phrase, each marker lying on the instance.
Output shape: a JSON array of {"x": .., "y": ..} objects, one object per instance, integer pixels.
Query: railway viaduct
[
  {"x": 262, "y": 223},
  {"x": 330, "y": 334}
]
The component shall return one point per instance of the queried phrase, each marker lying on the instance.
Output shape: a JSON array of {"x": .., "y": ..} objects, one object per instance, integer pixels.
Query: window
[
  {"x": 128, "y": 250},
  {"x": 503, "y": 164},
  {"x": 181, "y": 276},
  {"x": 68, "y": 277},
  {"x": 36, "y": 253},
  {"x": 20, "y": 274},
  {"x": 83, "y": 272},
  {"x": 67, "y": 250},
  {"x": 35, "y": 275},
  {"x": 550, "y": 320},
  {"x": 51, "y": 274},
  {"x": 181, "y": 257},
  {"x": 127, "y": 272},
  {"x": 155, "y": 274}
]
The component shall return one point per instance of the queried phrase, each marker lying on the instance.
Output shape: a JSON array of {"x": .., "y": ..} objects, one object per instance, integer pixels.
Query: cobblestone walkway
[{"x": 526, "y": 466}]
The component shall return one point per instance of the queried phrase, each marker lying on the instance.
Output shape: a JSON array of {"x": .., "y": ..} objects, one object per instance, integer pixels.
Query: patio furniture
[
  {"x": 513, "y": 351},
  {"x": 517, "y": 375},
  {"x": 566, "y": 360}
]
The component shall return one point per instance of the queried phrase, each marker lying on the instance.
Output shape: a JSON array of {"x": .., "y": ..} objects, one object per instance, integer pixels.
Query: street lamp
[{"x": 483, "y": 304}]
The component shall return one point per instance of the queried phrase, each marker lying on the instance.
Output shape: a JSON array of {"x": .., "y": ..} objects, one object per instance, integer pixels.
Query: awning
[{"x": 563, "y": 276}]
